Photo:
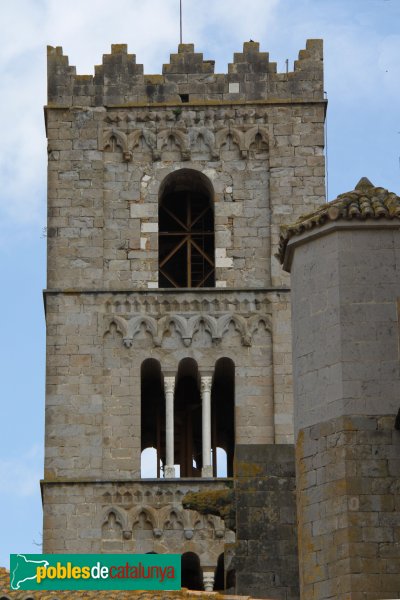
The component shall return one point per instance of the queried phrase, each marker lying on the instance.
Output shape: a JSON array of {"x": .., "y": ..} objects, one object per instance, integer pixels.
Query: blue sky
[{"x": 362, "y": 81}]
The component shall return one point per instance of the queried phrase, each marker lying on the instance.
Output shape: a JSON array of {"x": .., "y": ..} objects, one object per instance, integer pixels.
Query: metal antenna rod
[{"x": 180, "y": 18}]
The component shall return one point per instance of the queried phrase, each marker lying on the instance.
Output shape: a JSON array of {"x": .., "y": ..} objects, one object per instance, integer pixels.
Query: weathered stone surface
[
  {"x": 120, "y": 81},
  {"x": 256, "y": 137},
  {"x": 133, "y": 516},
  {"x": 344, "y": 269},
  {"x": 348, "y": 514},
  {"x": 213, "y": 502},
  {"x": 265, "y": 555}
]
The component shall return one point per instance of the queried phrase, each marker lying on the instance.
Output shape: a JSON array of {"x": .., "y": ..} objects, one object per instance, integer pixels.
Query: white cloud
[
  {"x": 361, "y": 62},
  {"x": 86, "y": 30}
]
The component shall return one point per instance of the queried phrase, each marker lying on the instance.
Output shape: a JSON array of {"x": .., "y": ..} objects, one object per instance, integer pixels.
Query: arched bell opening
[
  {"x": 219, "y": 580},
  {"x": 222, "y": 418},
  {"x": 187, "y": 420},
  {"x": 186, "y": 231},
  {"x": 152, "y": 419},
  {"x": 191, "y": 573}
]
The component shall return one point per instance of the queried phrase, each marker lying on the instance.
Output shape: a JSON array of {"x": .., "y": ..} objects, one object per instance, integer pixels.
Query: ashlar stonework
[
  {"x": 344, "y": 261},
  {"x": 167, "y": 312}
]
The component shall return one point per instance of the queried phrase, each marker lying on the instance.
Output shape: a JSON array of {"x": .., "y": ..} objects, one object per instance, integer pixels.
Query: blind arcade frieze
[
  {"x": 186, "y": 327},
  {"x": 196, "y": 139}
]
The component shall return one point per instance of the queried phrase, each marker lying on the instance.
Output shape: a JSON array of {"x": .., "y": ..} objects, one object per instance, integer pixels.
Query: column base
[
  {"x": 207, "y": 471},
  {"x": 169, "y": 472},
  {"x": 208, "y": 581}
]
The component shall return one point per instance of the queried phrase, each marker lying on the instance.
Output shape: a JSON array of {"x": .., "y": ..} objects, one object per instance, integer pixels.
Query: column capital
[
  {"x": 169, "y": 384},
  {"x": 206, "y": 382}
]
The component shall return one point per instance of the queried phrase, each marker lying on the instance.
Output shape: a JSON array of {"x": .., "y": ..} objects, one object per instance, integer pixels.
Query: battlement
[{"x": 187, "y": 78}]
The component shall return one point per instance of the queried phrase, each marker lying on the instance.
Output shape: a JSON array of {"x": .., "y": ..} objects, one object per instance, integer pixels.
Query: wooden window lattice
[{"x": 186, "y": 241}]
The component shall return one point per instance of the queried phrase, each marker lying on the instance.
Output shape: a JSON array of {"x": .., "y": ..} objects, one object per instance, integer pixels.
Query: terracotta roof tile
[
  {"x": 365, "y": 202},
  {"x": 106, "y": 595}
]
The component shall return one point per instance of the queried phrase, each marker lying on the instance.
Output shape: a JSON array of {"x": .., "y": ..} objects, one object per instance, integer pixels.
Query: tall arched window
[
  {"x": 186, "y": 231},
  {"x": 187, "y": 420},
  {"x": 223, "y": 419},
  {"x": 152, "y": 419}
]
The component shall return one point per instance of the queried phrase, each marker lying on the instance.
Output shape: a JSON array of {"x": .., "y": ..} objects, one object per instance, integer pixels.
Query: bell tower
[{"x": 168, "y": 315}]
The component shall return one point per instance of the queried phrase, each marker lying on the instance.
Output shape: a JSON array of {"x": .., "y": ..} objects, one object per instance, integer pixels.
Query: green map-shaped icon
[{"x": 24, "y": 569}]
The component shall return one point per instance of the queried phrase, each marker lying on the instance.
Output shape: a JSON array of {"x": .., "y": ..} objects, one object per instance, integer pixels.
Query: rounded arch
[
  {"x": 188, "y": 368},
  {"x": 186, "y": 230},
  {"x": 223, "y": 416},
  {"x": 182, "y": 179},
  {"x": 152, "y": 419},
  {"x": 187, "y": 419},
  {"x": 191, "y": 572}
]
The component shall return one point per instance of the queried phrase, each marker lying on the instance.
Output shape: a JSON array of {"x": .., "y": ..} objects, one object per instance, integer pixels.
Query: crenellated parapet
[
  {"x": 187, "y": 61},
  {"x": 187, "y": 78}
]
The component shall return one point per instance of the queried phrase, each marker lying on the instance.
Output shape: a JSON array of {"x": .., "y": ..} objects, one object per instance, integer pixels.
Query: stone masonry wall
[
  {"x": 119, "y": 80},
  {"x": 345, "y": 290},
  {"x": 262, "y": 152},
  {"x": 130, "y": 516},
  {"x": 265, "y": 552},
  {"x": 349, "y": 508},
  {"x": 96, "y": 345},
  {"x": 258, "y": 138},
  {"x": 265, "y": 165},
  {"x": 345, "y": 321}
]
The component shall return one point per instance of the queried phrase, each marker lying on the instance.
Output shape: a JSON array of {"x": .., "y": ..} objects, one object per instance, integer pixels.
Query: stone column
[
  {"x": 169, "y": 386},
  {"x": 206, "y": 381},
  {"x": 208, "y": 580}
]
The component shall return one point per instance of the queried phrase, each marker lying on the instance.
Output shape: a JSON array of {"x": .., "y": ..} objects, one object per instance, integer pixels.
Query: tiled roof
[
  {"x": 5, "y": 594},
  {"x": 365, "y": 202}
]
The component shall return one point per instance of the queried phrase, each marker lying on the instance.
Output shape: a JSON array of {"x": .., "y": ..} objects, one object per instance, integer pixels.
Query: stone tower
[{"x": 168, "y": 316}]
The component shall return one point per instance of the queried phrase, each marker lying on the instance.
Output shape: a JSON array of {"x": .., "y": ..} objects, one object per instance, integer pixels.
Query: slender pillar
[
  {"x": 206, "y": 381},
  {"x": 169, "y": 386},
  {"x": 208, "y": 580}
]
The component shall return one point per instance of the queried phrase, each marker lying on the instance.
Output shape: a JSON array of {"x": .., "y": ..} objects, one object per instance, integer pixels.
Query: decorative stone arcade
[
  {"x": 168, "y": 316},
  {"x": 206, "y": 469},
  {"x": 193, "y": 418}
]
